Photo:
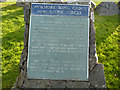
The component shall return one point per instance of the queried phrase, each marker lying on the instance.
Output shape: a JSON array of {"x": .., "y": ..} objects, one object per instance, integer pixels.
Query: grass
[
  {"x": 12, "y": 42},
  {"x": 107, "y": 41}
]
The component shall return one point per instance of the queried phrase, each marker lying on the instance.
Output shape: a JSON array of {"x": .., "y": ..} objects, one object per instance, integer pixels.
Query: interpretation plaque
[{"x": 58, "y": 46}]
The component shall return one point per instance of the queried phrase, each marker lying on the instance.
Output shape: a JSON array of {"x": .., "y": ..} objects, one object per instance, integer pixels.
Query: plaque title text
[{"x": 54, "y": 9}]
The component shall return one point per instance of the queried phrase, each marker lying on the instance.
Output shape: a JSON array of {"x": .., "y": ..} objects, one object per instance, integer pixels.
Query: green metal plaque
[{"x": 58, "y": 42}]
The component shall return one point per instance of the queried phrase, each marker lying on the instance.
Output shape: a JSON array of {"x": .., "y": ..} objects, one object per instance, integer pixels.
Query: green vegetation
[
  {"x": 107, "y": 41},
  {"x": 12, "y": 42}
]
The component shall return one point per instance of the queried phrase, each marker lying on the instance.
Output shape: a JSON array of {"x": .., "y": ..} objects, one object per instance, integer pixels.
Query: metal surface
[{"x": 58, "y": 43}]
